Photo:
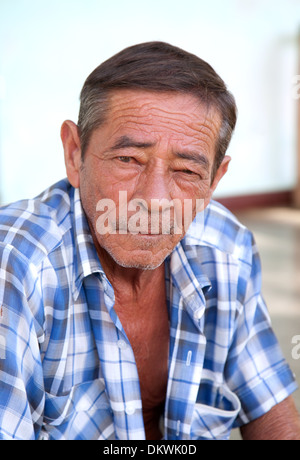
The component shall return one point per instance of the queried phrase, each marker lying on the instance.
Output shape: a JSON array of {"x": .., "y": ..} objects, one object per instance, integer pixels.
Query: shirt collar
[
  {"x": 190, "y": 280},
  {"x": 86, "y": 258}
]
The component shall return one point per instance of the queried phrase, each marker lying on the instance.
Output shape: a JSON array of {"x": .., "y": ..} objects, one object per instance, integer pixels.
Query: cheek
[
  {"x": 191, "y": 189},
  {"x": 96, "y": 182},
  {"x": 109, "y": 179},
  {"x": 194, "y": 197}
]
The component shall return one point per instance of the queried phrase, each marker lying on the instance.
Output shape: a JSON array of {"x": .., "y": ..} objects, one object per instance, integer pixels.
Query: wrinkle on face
[
  {"x": 193, "y": 124},
  {"x": 162, "y": 131}
]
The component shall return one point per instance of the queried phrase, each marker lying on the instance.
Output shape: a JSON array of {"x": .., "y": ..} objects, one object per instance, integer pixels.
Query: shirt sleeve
[
  {"x": 256, "y": 370},
  {"x": 21, "y": 376}
]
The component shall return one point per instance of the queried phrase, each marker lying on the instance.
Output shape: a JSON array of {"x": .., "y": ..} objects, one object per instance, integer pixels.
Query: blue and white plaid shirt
[{"x": 67, "y": 370}]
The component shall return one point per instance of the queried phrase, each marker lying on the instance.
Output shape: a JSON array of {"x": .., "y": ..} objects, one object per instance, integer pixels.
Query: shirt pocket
[
  {"x": 215, "y": 411},
  {"x": 83, "y": 413}
]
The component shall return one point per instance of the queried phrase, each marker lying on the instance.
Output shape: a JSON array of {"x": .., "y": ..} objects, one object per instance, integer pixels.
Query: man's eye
[
  {"x": 187, "y": 171},
  {"x": 188, "y": 174},
  {"x": 124, "y": 159}
]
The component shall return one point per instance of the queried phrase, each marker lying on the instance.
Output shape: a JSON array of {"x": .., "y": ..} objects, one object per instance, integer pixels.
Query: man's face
[{"x": 151, "y": 147}]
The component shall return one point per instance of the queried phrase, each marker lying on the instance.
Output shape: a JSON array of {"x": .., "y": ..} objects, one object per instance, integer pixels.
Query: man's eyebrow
[
  {"x": 195, "y": 157},
  {"x": 124, "y": 142}
]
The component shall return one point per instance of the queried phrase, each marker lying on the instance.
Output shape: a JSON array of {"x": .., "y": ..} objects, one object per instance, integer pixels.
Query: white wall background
[{"x": 48, "y": 48}]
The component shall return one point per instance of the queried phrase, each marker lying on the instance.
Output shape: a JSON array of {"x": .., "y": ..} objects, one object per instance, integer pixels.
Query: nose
[{"x": 153, "y": 186}]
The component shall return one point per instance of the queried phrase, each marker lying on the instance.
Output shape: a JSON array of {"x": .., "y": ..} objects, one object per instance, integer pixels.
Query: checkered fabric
[{"x": 67, "y": 369}]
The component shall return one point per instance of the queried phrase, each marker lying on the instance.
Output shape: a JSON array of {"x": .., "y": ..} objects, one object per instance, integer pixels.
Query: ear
[
  {"x": 222, "y": 170},
  {"x": 72, "y": 150}
]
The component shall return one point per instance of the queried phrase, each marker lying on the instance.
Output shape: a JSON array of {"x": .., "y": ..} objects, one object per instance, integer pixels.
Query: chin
[
  {"x": 139, "y": 266},
  {"x": 139, "y": 258},
  {"x": 139, "y": 252},
  {"x": 139, "y": 261}
]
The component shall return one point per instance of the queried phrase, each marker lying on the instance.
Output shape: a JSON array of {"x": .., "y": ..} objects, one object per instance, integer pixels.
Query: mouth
[
  {"x": 150, "y": 235},
  {"x": 146, "y": 235},
  {"x": 147, "y": 231}
]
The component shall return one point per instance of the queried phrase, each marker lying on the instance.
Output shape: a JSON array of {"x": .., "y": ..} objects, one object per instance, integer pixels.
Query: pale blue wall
[{"x": 47, "y": 49}]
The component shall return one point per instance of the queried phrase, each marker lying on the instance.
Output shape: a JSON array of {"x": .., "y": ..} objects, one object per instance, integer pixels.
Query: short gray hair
[{"x": 157, "y": 67}]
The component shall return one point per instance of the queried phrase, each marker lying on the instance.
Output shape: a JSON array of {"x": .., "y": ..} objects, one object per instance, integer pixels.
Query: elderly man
[{"x": 112, "y": 326}]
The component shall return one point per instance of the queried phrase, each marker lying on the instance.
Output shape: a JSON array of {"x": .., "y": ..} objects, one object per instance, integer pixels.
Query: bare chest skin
[{"x": 147, "y": 327}]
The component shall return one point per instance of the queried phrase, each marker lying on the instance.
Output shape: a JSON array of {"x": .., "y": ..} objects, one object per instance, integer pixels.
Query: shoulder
[
  {"x": 34, "y": 227},
  {"x": 222, "y": 234}
]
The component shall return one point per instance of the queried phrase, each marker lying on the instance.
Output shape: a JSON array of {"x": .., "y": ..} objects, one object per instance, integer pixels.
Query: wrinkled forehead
[{"x": 177, "y": 114}]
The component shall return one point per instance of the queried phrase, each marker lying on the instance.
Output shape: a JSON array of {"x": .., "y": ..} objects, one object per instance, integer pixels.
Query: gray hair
[{"x": 157, "y": 67}]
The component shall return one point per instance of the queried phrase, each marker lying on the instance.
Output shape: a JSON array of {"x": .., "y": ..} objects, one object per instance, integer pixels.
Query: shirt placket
[
  {"x": 118, "y": 365},
  {"x": 187, "y": 350}
]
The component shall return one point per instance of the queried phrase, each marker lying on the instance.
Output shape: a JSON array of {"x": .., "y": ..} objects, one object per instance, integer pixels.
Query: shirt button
[
  {"x": 130, "y": 410},
  {"x": 122, "y": 344},
  {"x": 198, "y": 313}
]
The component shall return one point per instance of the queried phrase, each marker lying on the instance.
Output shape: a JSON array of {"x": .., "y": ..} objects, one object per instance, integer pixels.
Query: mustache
[{"x": 145, "y": 224}]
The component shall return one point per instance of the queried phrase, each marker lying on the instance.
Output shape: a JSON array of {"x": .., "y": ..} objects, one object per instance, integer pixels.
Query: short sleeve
[
  {"x": 256, "y": 370},
  {"x": 21, "y": 376}
]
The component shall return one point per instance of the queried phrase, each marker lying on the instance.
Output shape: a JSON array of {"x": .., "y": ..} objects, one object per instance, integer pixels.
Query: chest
[
  {"x": 148, "y": 333},
  {"x": 147, "y": 330}
]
